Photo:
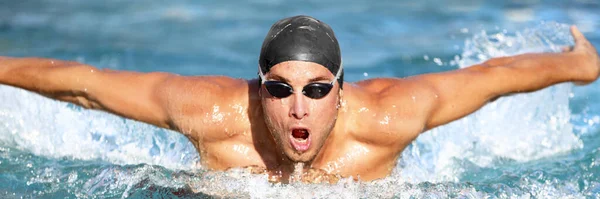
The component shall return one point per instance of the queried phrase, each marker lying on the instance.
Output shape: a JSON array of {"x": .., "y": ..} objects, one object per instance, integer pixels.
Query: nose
[{"x": 299, "y": 107}]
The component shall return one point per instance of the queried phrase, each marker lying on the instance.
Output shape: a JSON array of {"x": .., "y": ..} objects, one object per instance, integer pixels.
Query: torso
[{"x": 244, "y": 141}]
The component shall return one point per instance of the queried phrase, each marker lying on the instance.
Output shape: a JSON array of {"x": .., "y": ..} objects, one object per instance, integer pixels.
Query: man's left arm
[{"x": 455, "y": 94}]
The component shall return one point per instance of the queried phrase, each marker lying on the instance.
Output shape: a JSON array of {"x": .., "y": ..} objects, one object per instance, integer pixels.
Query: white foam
[
  {"x": 518, "y": 128},
  {"x": 55, "y": 129}
]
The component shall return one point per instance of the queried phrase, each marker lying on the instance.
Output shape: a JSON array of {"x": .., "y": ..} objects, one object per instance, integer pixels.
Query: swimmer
[{"x": 299, "y": 112}]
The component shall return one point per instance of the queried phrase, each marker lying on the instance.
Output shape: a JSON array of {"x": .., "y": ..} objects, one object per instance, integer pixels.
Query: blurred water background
[{"x": 537, "y": 145}]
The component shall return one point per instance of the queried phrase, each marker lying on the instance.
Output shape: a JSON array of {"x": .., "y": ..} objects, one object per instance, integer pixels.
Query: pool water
[{"x": 544, "y": 144}]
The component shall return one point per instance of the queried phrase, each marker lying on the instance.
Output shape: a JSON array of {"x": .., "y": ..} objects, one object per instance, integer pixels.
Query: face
[{"x": 299, "y": 124}]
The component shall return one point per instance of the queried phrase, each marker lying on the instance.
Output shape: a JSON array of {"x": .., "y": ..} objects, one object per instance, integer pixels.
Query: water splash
[
  {"x": 520, "y": 127},
  {"x": 475, "y": 157},
  {"x": 55, "y": 129}
]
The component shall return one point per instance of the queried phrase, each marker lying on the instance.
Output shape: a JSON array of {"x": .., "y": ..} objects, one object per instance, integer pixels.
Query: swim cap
[{"x": 301, "y": 38}]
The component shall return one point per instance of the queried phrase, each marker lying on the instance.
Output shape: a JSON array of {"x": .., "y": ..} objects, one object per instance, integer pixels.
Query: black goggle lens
[
  {"x": 313, "y": 90},
  {"x": 316, "y": 90},
  {"x": 278, "y": 89}
]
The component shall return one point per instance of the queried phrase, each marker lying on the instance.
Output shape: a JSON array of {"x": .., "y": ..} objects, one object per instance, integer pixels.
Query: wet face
[{"x": 299, "y": 124}]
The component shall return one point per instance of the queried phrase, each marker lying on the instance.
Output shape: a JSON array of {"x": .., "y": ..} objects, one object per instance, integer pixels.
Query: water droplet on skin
[
  {"x": 385, "y": 121},
  {"x": 343, "y": 106},
  {"x": 353, "y": 154},
  {"x": 241, "y": 149},
  {"x": 363, "y": 109},
  {"x": 238, "y": 108},
  {"x": 229, "y": 133},
  {"x": 216, "y": 115}
]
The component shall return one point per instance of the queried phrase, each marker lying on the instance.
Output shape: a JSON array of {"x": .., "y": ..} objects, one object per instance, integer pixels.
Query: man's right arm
[{"x": 153, "y": 98}]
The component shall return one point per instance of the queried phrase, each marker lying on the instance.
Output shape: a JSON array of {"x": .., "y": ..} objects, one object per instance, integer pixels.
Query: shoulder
[
  {"x": 386, "y": 111},
  {"x": 206, "y": 101}
]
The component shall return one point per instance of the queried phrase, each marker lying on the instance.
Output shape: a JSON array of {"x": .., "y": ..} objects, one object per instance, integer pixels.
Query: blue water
[{"x": 542, "y": 145}]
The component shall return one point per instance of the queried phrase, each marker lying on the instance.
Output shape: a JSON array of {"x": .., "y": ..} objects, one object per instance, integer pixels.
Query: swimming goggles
[{"x": 313, "y": 90}]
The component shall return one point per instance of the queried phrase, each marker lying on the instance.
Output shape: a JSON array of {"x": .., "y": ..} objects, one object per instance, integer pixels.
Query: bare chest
[{"x": 347, "y": 160}]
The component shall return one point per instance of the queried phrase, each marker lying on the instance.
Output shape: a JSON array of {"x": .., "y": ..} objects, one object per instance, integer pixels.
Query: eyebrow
[
  {"x": 279, "y": 78},
  {"x": 321, "y": 78},
  {"x": 316, "y": 79}
]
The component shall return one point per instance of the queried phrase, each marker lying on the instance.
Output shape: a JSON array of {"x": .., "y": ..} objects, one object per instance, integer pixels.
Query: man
[{"x": 299, "y": 110}]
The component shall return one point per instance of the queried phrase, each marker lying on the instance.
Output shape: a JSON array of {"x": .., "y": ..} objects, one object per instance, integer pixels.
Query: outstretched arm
[
  {"x": 155, "y": 98},
  {"x": 445, "y": 97},
  {"x": 464, "y": 91}
]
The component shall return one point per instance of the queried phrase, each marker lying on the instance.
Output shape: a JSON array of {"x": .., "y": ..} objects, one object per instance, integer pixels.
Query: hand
[{"x": 586, "y": 58}]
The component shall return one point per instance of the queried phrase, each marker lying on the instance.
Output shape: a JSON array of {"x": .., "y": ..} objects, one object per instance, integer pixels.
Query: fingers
[
  {"x": 566, "y": 49},
  {"x": 577, "y": 35}
]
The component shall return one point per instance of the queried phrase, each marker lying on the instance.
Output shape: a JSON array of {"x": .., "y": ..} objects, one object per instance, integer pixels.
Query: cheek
[
  {"x": 274, "y": 105},
  {"x": 274, "y": 110},
  {"x": 325, "y": 110}
]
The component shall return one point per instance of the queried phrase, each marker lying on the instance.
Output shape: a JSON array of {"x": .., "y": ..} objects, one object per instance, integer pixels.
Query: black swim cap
[{"x": 301, "y": 38}]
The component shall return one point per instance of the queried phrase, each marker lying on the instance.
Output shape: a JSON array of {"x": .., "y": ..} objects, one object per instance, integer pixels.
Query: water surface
[{"x": 542, "y": 144}]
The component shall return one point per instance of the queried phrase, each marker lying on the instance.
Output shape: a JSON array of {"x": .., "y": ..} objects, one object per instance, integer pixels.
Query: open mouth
[
  {"x": 300, "y": 134},
  {"x": 300, "y": 139}
]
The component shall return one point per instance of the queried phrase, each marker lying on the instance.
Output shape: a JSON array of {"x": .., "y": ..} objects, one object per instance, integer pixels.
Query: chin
[{"x": 304, "y": 157}]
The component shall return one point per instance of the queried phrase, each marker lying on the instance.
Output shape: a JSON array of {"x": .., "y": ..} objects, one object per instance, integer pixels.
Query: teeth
[{"x": 301, "y": 140}]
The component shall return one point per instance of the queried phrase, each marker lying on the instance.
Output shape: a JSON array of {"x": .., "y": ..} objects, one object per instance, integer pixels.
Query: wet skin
[
  {"x": 357, "y": 132},
  {"x": 363, "y": 142}
]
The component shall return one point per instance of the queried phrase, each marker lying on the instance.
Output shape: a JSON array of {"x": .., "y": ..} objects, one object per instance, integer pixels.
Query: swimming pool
[{"x": 542, "y": 144}]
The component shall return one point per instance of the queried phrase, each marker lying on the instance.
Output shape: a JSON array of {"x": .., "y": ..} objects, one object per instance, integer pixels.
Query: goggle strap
[{"x": 337, "y": 75}]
